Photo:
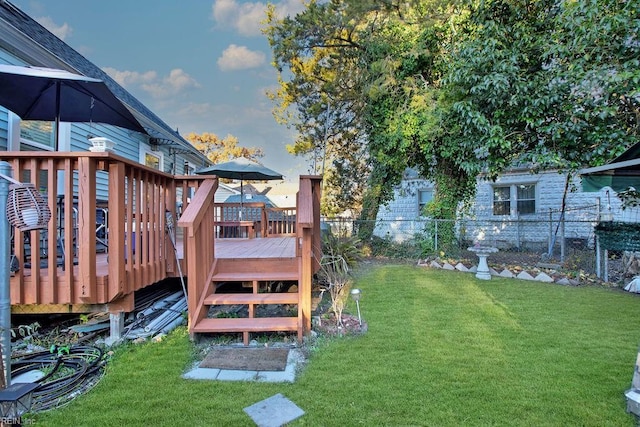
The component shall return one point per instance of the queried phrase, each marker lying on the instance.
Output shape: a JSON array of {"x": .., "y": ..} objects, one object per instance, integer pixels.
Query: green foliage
[
  {"x": 387, "y": 248},
  {"x": 456, "y": 89},
  {"x": 342, "y": 246},
  {"x": 26, "y": 331},
  {"x": 60, "y": 350},
  {"x": 339, "y": 255}
]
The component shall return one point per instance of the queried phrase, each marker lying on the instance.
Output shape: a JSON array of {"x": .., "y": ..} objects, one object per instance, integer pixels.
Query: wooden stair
[{"x": 255, "y": 271}]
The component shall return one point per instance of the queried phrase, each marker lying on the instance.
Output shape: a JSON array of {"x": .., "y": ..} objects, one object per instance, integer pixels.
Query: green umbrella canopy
[{"x": 242, "y": 169}]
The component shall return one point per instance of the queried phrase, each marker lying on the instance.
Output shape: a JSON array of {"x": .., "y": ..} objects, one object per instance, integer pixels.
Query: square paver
[{"x": 275, "y": 411}]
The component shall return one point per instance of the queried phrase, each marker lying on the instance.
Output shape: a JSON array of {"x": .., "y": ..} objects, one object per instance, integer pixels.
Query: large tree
[
  {"x": 460, "y": 88},
  {"x": 220, "y": 150}
]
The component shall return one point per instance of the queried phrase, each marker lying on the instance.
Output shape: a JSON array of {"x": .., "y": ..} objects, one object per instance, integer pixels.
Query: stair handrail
[
  {"x": 308, "y": 232},
  {"x": 197, "y": 221}
]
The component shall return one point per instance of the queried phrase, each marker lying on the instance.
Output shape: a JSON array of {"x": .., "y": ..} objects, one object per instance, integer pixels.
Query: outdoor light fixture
[
  {"x": 15, "y": 400},
  {"x": 26, "y": 208},
  {"x": 355, "y": 294}
]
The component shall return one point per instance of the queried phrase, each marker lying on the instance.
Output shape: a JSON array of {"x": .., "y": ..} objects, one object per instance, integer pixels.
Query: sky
[{"x": 200, "y": 65}]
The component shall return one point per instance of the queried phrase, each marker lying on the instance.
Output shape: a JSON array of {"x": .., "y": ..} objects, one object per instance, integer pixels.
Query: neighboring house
[
  {"x": 518, "y": 207},
  {"x": 25, "y": 42},
  {"x": 224, "y": 192},
  {"x": 281, "y": 194}
]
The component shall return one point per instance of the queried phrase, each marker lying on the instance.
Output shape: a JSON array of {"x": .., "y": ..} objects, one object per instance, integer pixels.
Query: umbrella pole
[
  {"x": 241, "y": 197},
  {"x": 57, "y": 124}
]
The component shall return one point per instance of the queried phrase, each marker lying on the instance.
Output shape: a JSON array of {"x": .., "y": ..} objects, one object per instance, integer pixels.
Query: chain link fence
[{"x": 564, "y": 241}]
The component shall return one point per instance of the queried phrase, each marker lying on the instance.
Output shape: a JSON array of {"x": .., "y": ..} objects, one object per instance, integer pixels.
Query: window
[
  {"x": 517, "y": 199},
  {"x": 501, "y": 200},
  {"x": 526, "y": 195},
  {"x": 424, "y": 197},
  {"x": 36, "y": 134},
  {"x": 153, "y": 159}
]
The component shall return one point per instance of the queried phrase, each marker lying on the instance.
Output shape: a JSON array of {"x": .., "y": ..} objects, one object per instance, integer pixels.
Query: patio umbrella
[
  {"x": 242, "y": 169},
  {"x": 56, "y": 95}
]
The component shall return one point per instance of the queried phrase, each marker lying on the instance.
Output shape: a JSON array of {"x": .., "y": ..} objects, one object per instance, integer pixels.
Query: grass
[{"x": 443, "y": 349}]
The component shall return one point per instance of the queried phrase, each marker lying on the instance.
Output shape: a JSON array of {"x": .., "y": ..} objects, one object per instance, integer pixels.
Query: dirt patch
[
  {"x": 327, "y": 325},
  {"x": 248, "y": 359}
]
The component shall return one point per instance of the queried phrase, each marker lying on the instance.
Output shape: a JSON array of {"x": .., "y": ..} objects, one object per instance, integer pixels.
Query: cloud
[
  {"x": 240, "y": 58},
  {"x": 175, "y": 83},
  {"x": 246, "y": 18},
  {"x": 61, "y": 31}
]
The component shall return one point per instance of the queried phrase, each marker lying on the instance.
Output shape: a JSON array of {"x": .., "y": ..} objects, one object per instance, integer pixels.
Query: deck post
[
  {"x": 116, "y": 327},
  {"x": 117, "y": 271},
  {"x": 304, "y": 289},
  {"x": 87, "y": 228}
]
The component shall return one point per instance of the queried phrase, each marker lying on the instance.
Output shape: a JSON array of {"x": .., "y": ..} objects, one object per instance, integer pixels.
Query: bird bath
[{"x": 483, "y": 253}]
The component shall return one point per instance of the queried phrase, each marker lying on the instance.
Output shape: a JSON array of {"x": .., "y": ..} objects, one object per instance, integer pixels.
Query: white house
[{"x": 518, "y": 207}]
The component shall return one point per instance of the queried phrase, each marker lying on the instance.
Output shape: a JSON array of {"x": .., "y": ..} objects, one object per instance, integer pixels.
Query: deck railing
[
  {"x": 136, "y": 199},
  {"x": 198, "y": 223},
  {"x": 265, "y": 221},
  {"x": 280, "y": 221}
]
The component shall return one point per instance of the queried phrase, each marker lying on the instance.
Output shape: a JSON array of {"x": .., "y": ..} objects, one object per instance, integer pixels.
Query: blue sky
[{"x": 200, "y": 65}]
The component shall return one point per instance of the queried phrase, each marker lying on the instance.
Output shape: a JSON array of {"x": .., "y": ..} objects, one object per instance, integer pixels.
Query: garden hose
[{"x": 71, "y": 371}]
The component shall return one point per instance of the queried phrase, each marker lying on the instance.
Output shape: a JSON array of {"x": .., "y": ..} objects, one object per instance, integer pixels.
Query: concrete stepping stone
[{"x": 274, "y": 411}]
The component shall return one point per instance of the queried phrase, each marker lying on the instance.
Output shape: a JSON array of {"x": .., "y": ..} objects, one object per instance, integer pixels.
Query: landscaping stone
[
  {"x": 447, "y": 266},
  {"x": 563, "y": 281},
  {"x": 506, "y": 273},
  {"x": 523, "y": 275},
  {"x": 461, "y": 267},
  {"x": 542, "y": 277}
]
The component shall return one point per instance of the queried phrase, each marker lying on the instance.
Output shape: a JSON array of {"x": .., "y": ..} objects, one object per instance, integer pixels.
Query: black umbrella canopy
[{"x": 56, "y": 95}]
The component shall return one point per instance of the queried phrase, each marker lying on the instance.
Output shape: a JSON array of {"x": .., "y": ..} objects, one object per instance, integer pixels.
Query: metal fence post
[
  {"x": 563, "y": 240},
  {"x": 597, "y": 244},
  {"x": 550, "y": 251},
  {"x": 435, "y": 244},
  {"x": 5, "y": 297}
]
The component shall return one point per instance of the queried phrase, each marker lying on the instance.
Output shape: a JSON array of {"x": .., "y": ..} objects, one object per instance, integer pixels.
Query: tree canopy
[
  {"x": 456, "y": 89},
  {"x": 221, "y": 150}
]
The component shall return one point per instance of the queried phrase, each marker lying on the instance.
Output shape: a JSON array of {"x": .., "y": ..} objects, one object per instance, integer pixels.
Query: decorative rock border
[{"x": 538, "y": 276}]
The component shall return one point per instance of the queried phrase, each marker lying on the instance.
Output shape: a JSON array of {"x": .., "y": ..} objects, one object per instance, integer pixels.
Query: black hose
[{"x": 72, "y": 372}]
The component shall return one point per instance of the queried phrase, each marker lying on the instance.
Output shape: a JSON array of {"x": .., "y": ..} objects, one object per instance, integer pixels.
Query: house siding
[{"x": 400, "y": 220}]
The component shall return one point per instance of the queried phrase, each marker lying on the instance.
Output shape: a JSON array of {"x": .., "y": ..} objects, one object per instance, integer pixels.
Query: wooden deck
[
  {"x": 270, "y": 247},
  {"x": 136, "y": 215}
]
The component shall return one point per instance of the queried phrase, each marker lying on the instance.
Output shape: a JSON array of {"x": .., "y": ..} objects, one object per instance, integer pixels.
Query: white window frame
[
  {"x": 420, "y": 204},
  {"x": 513, "y": 198},
  {"x": 191, "y": 167},
  {"x": 146, "y": 149},
  {"x": 15, "y": 141}
]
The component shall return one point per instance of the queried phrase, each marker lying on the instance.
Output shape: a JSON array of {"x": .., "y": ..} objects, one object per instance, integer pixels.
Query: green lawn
[{"x": 443, "y": 348}]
